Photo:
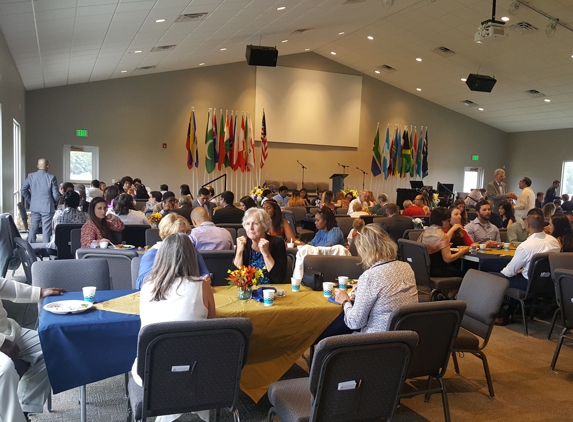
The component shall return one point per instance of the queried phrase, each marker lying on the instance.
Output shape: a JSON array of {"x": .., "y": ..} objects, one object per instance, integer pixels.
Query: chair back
[
  {"x": 332, "y": 266},
  {"x": 232, "y": 225},
  {"x": 9, "y": 258},
  {"x": 483, "y": 294},
  {"x": 152, "y": 237},
  {"x": 342, "y": 211},
  {"x": 63, "y": 240},
  {"x": 23, "y": 215},
  {"x": 322, "y": 186},
  {"x": 437, "y": 325},
  {"x": 140, "y": 204},
  {"x": 313, "y": 211},
  {"x": 565, "y": 291},
  {"x": 416, "y": 254},
  {"x": 310, "y": 187},
  {"x": 119, "y": 262},
  {"x": 135, "y": 270},
  {"x": 298, "y": 212},
  {"x": 241, "y": 232},
  {"x": 539, "y": 274},
  {"x": 218, "y": 263},
  {"x": 290, "y": 217},
  {"x": 289, "y": 269},
  {"x": 290, "y": 185},
  {"x": 562, "y": 260},
  {"x": 76, "y": 240},
  {"x": 27, "y": 256},
  {"x": 215, "y": 351},
  {"x": 377, "y": 361},
  {"x": 472, "y": 215},
  {"x": 233, "y": 232},
  {"x": 134, "y": 234},
  {"x": 412, "y": 234},
  {"x": 503, "y": 235},
  {"x": 345, "y": 224}
]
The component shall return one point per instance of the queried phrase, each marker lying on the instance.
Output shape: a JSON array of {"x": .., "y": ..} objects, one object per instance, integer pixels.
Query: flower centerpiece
[
  {"x": 257, "y": 194},
  {"x": 418, "y": 224},
  {"x": 154, "y": 219},
  {"x": 245, "y": 278},
  {"x": 354, "y": 192}
]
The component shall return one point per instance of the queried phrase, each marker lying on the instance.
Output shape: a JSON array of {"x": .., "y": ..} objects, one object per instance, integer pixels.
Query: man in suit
[
  {"x": 41, "y": 190},
  {"x": 228, "y": 213},
  {"x": 497, "y": 191},
  {"x": 185, "y": 207},
  {"x": 202, "y": 200},
  {"x": 394, "y": 223}
]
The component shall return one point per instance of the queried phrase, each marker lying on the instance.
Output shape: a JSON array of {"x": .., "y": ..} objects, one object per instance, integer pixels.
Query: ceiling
[{"x": 62, "y": 42}]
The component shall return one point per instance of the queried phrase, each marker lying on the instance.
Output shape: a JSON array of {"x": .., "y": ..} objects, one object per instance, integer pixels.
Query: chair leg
[
  {"x": 445, "y": 401},
  {"x": 483, "y": 358},
  {"x": 129, "y": 411},
  {"x": 522, "y": 304},
  {"x": 553, "y": 321},
  {"x": 456, "y": 366},
  {"x": 271, "y": 414},
  {"x": 428, "y": 395},
  {"x": 236, "y": 417},
  {"x": 558, "y": 348}
]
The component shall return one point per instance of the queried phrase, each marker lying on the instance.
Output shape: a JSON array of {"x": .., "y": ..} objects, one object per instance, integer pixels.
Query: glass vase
[{"x": 245, "y": 293}]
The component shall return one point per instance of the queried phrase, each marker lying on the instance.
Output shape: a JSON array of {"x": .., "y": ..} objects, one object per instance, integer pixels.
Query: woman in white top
[
  {"x": 174, "y": 291},
  {"x": 123, "y": 207}
]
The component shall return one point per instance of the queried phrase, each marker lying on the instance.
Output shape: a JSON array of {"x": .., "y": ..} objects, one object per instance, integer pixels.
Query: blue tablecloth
[{"x": 83, "y": 348}]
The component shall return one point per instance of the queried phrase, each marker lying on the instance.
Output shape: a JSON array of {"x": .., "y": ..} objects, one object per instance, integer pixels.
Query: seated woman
[
  {"x": 560, "y": 229},
  {"x": 69, "y": 214},
  {"x": 438, "y": 245},
  {"x": 141, "y": 192},
  {"x": 261, "y": 250},
  {"x": 385, "y": 285},
  {"x": 452, "y": 224},
  {"x": 357, "y": 210},
  {"x": 109, "y": 194},
  {"x": 548, "y": 210},
  {"x": 170, "y": 224},
  {"x": 326, "y": 200},
  {"x": 174, "y": 291},
  {"x": 280, "y": 226},
  {"x": 99, "y": 226},
  {"x": 461, "y": 205},
  {"x": 247, "y": 202},
  {"x": 370, "y": 201},
  {"x": 327, "y": 231},
  {"x": 153, "y": 201},
  {"x": 341, "y": 201},
  {"x": 124, "y": 209},
  {"x": 506, "y": 214},
  {"x": 295, "y": 200},
  {"x": 304, "y": 197}
]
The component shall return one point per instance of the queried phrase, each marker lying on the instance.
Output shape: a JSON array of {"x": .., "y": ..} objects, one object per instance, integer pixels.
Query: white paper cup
[
  {"x": 290, "y": 245},
  {"x": 295, "y": 284},
  {"x": 342, "y": 282},
  {"x": 482, "y": 247},
  {"x": 327, "y": 288},
  {"x": 103, "y": 244},
  {"x": 268, "y": 297},
  {"x": 89, "y": 293},
  {"x": 506, "y": 246}
]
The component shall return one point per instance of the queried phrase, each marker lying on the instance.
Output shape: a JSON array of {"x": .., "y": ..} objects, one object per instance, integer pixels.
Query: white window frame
[
  {"x": 17, "y": 140},
  {"x": 562, "y": 186},
  {"x": 85, "y": 148}
]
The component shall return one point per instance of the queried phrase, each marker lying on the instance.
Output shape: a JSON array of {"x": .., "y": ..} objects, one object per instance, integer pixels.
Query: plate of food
[
  {"x": 124, "y": 246},
  {"x": 454, "y": 250},
  {"x": 68, "y": 306}
]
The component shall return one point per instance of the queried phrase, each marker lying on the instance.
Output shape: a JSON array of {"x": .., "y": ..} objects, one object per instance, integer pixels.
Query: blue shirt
[
  {"x": 281, "y": 201},
  {"x": 209, "y": 237},
  {"x": 331, "y": 237},
  {"x": 148, "y": 259}
]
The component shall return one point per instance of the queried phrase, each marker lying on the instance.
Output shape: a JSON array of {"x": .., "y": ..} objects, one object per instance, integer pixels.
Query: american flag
[{"x": 264, "y": 147}]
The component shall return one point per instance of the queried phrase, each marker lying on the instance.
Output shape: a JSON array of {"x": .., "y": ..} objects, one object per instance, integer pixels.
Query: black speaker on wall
[
  {"x": 482, "y": 83},
  {"x": 261, "y": 56}
]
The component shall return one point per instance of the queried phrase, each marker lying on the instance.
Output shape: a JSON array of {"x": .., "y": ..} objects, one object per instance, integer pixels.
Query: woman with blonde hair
[
  {"x": 341, "y": 201},
  {"x": 170, "y": 224},
  {"x": 295, "y": 200},
  {"x": 326, "y": 200}
]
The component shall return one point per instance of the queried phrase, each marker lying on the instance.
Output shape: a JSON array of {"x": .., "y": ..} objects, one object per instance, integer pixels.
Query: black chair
[
  {"x": 23, "y": 215},
  {"x": 218, "y": 263},
  {"x": 371, "y": 368},
  {"x": 152, "y": 237},
  {"x": 565, "y": 293},
  {"x": 41, "y": 249},
  {"x": 437, "y": 325},
  {"x": 134, "y": 234},
  {"x": 27, "y": 257},
  {"x": 332, "y": 266},
  {"x": 119, "y": 262},
  {"x": 63, "y": 240},
  {"x": 75, "y": 240},
  {"x": 539, "y": 286},
  {"x": 233, "y": 232},
  {"x": 483, "y": 294},
  {"x": 416, "y": 254},
  {"x": 562, "y": 260},
  {"x": 214, "y": 352},
  {"x": 412, "y": 234}
]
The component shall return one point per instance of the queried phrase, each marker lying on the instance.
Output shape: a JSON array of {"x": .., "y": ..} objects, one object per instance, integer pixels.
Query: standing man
[
  {"x": 41, "y": 190},
  {"x": 551, "y": 193},
  {"x": 526, "y": 200},
  {"x": 497, "y": 191}
]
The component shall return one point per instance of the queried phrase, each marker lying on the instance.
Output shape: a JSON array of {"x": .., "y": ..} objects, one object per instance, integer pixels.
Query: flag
[
  {"x": 376, "y": 159},
  {"x": 209, "y": 157},
  {"x": 234, "y": 139},
  {"x": 250, "y": 145},
  {"x": 192, "y": 144},
  {"x": 414, "y": 149},
  {"x": 419, "y": 154},
  {"x": 240, "y": 140},
  {"x": 406, "y": 155},
  {"x": 228, "y": 138},
  {"x": 222, "y": 153},
  {"x": 425, "y": 156},
  {"x": 215, "y": 137},
  {"x": 398, "y": 162},
  {"x": 386, "y": 155},
  {"x": 264, "y": 147},
  {"x": 393, "y": 154}
]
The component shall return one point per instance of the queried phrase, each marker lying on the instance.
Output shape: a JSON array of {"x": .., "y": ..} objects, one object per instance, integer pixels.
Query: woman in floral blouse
[{"x": 99, "y": 226}]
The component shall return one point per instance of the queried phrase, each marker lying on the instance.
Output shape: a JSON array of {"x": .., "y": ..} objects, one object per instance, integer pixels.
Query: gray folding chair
[
  {"x": 503, "y": 235},
  {"x": 152, "y": 237},
  {"x": 332, "y": 266},
  {"x": 437, "y": 325},
  {"x": 372, "y": 368},
  {"x": 27, "y": 257},
  {"x": 241, "y": 232},
  {"x": 483, "y": 294},
  {"x": 562, "y": 260},
  {"x": 218, "y": 262},
  {"x": 565, "y": 293},
  {"x": 233, "y": 232},
  {"x": 345, "y": 224},
  {"x": 135, "y": 270},
  {"x": 214, "y": 352},
  {"x": 412, "y": 234},
  {"x": 341, "y": 211},
  {"x": 119, "y": 262}
]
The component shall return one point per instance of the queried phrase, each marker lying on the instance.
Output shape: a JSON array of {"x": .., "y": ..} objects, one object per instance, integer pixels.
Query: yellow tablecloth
[
  {"x": 500, "y": 252},
  {"x": 281, "y": 333}
]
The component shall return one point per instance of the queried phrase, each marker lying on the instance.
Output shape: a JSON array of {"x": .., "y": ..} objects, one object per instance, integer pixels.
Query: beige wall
[
  {"x": 130, "y": 118},
  {"x": 12, "y": 99}
]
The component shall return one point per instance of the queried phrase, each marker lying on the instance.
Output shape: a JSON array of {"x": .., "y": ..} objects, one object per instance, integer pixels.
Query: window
[
  {"x": 17, "y": 165},
  {"x": 81, "y": 163},
  {"x": 473, "y": 178},
  {"x": 567, "y": 178},
  {"x": 1, "y": 173}
]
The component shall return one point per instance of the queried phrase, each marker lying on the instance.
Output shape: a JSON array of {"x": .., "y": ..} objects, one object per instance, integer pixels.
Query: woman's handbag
[{"x": 313, "y": 279}]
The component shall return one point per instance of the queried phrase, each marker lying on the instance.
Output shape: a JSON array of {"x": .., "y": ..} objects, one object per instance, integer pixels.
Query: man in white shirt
[
  {"x": 18, "y": 397},
  {"x": 526, "y": 200},
  {"x": 361, "y": 198}
]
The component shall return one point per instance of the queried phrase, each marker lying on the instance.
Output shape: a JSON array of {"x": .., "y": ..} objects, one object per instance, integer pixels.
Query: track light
[
  {"x": 514, "y": 7},
  {"x": 551, "y": 27}
]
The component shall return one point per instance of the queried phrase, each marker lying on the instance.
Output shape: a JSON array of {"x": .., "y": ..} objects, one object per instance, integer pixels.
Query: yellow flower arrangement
[{"x": 245, "y": 277}]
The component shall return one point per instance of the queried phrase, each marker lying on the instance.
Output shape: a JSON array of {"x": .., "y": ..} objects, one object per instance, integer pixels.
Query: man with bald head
[
  {"x": 40, "y": 190},
  {"x": 206, "y": 236}
]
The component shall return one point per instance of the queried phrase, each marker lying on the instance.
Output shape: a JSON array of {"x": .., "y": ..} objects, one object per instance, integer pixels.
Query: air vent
[
  {"x": 189, "y": 17},
  {"x": 301, "y": 31},
  {"x": 469, "y": 103},
  {"x": 524, "y": 27},
  {"x": 444, "y": 51},
  {"x": 386, "y": 68},
  {"x": 145, "y": 68},
  {"x": 162, "y": 48},
  {"x": 354, "y": 1},
  {"x": 533, "y": 93}
]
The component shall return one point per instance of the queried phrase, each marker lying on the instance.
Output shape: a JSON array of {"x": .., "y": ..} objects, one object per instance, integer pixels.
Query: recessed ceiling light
[
  {"x": 418, "y": 89},
  {"x": 223, "y": 49},
  {"x": 124, "y": 71},
  {"x": 463, "y": 79},
  {"x": 138, "y": 51},
  {"x": 333, "y": 53},
  {"x": 418, "y": 59},
  {"x": 285, "y": 40},
  {"x": 159, "y": 20},
  {"x": 281, "y": 8},
  {"x": 505, "y": 18},
  {"x": 547, "y": 100},
  {"x": 201, "y": 64},
  {"x": 307, "y": 49},
  {"x": 480, "y": 109},
  {"x": 341, "y": 33},
  {"x": 376, "y": 71},
  {"x": 370, "y": 37}
]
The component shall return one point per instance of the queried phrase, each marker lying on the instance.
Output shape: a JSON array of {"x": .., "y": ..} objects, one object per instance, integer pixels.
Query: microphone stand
[
  {"x": 343, "y": 173},
  {"x": 303, "y": 168},
  {"x": 363, "y": 176}
]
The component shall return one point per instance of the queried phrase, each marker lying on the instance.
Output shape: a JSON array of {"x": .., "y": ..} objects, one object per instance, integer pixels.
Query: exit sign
[
  {"x": 474, "y": 157},
  {"x": 82, "y": 132}
]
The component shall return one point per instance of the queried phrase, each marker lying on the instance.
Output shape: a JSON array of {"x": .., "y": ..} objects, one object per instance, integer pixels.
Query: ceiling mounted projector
[
  {"x": 261, "y": 56},
  {"x": 491, "y": 31},
  {"x": 481, "y": 83}
]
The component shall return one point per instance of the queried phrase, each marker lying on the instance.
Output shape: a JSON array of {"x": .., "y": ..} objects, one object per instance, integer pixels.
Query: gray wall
[
  {"x": 12, "y": 98},
  {"x": 130, "y": 118}
]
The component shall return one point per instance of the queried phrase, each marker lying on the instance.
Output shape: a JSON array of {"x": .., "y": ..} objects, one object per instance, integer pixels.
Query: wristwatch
[{"x": 345, "y": 302}]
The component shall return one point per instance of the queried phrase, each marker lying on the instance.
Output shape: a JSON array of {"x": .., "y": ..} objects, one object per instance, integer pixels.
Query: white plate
[
  {"x": 124, "y": 247},
  {"x": 68, "y": 306}
]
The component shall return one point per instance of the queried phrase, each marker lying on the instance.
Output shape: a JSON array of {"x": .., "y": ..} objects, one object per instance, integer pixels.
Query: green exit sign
[
  {"x": 474, "y": 157},
  {"x": 82, "y": 132}
]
